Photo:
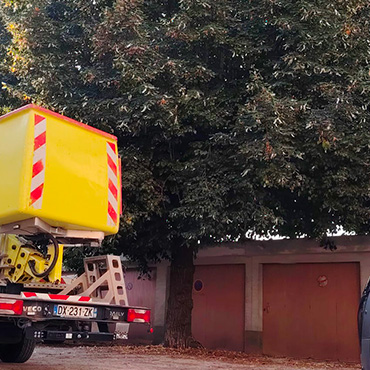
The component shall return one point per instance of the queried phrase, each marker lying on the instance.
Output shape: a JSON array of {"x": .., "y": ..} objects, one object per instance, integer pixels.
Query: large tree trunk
[{"x": 180, "y": 301}]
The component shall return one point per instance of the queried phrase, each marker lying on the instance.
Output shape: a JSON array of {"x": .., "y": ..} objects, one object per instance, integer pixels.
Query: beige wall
[{"x": 256, "y": 253}]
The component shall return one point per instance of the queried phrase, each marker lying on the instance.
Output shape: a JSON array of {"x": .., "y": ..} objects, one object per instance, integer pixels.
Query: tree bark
[{"x": 180, "y": 301}]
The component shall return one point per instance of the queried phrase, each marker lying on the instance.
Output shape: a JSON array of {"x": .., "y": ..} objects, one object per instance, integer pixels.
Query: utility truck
[{"x": 60, "y": 187}]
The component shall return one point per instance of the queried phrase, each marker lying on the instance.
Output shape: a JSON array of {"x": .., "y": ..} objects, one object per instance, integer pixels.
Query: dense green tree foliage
[
  {"x": 7, "y": 102},
  {"x": 234, "y": 118},
  {"x": 312, "y": 99}
]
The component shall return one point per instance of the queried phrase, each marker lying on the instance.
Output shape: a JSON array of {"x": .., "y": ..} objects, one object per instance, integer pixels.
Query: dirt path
[{"x": 155, "y": 358}]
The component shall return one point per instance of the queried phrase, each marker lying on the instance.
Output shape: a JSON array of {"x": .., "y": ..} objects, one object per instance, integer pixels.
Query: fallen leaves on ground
[{"x": 233, "y": 357}]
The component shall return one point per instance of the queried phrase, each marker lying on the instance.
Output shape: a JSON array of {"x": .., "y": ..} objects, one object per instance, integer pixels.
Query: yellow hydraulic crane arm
[{"x": 20, "y": 261}]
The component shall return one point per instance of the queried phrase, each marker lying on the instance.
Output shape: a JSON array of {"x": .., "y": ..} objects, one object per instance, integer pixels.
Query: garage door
[
  {"x": 218, "y": 313},
  {"x": 141, "y": 293},
  {"x": 310, "y": 310}
]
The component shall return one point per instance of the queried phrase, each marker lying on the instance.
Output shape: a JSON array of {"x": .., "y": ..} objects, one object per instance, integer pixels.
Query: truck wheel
[{"x": 17, "y": 352}]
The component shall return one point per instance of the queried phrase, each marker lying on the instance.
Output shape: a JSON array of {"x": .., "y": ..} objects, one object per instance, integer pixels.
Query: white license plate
[{"x": 62, "y": 310}]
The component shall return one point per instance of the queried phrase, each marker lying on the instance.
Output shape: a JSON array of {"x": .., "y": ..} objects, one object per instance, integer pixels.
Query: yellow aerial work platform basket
[{"x": 57, "y": 175}]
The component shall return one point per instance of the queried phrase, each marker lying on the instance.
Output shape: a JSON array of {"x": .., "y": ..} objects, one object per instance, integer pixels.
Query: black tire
[{"x": 17, "y": 352}]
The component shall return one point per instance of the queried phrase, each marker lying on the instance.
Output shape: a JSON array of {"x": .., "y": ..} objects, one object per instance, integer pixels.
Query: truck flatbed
[{"x": 54, "y": 317}]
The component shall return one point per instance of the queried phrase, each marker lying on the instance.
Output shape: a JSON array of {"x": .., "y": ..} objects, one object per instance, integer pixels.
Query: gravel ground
[{"x": 157, "y": 357}]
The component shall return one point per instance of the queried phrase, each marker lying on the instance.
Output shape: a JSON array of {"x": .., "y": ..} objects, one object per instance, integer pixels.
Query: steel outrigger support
[{"x": 103, "y": 280}]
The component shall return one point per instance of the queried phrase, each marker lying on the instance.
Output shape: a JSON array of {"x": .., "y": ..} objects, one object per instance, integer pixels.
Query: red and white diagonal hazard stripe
[
  {"x": 38, "y": 167},
  {"x": 113, "y": 195},
  {"x": 56, "y": 297}
]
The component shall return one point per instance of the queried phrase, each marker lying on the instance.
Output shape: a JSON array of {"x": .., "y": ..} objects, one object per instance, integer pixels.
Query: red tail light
[
  {"x": 136, "y": 315},
  {"x": 11, "y": 306}
]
